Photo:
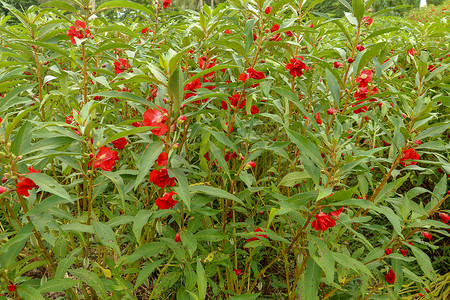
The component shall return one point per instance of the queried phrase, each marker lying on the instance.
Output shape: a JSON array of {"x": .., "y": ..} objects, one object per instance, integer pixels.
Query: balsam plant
[{"x": 257, "y": 150}]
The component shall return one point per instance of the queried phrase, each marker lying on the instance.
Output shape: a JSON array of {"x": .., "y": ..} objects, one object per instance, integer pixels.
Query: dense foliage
[{"x": 257, "y": 150}]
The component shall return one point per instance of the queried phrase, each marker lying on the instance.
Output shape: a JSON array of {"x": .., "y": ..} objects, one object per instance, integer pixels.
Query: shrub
[{"x": 240, "y": 152}]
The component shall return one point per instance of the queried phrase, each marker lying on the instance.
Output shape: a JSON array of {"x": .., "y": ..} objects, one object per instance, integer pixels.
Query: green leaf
[
  {"x": 433, "y": 130},
  {"x": 346, "y": 4},
  {"x": 189, "y": 240},
  {"x": 306, "y": 146},
  {"x": 380, "y": 32},
  {"x": 145, "y": 273},
  {"x": 140, "y": 220},
  {"x": 218, "y": 154},
  {"x": 48, "y": 184},
  {"x": 424, "y": 262},
  {"x": 148, "y": 158},
  {"x": 92, "y": 280},
  {"x": 367, "y": 55},
  {"x": 22, "y": 140},
  {"x": 66, "y": 263},
  {"x": 183, "y": 188},
  {"x": 202, "y": 282},
  {"x": 248, "y": 34},
  {"x": 123, "y": 4},
  {"x": 29, "y": 293},
  {"x": 310, "y": 280},
  {"x": 124, "y": 133},
  {"x": 106, "y": 235},
  {"x": 118, "y": 181},
  {"x": 245, "y": 297},
  {"x": 60, "y": 5},
  {"x": 325, "y": 260},
  {"x": 351, "y": 263},
  {"x": 56, "y": 285},
  {"x": 175, "y": 89},
  {"x": 47, "y": 204},
  {"x": 291, "y": 179},
  {"x": 126, "y": 96},
  {"x": 221, "y": 137},
  {"x": 358, "y": 9},
  {"x": 11, "y": 249},
  {"x": 210, "y": 235},
  {"x": 333, "y": 85},
  {"x": 116, "y": 28},
  {"x": 9, "y": 99},
  {"x": 213, "y": 191}
]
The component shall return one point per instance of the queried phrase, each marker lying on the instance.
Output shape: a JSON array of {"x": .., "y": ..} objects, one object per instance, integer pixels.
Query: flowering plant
[{"x": 255, "y": 149}]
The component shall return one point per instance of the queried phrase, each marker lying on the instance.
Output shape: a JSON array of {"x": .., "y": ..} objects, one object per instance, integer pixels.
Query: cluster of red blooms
[
  {"x": 256, "y": 237},
  {"x": 79, "y": 30},
  {"x": 296, "y": 67},
  {"x": 204, "y": 63},
  {"x": 121, "y": 65},
  {"x": 166, "y": 3},
  {"x": 156, "y": 117},
  {"x": 25, "y": 184},
  {"x": 364, "y": 91},
  {"x": 324, "y": 221},
  {"x": 409, "y": 154},
  {"x": 106, "y": 158}
]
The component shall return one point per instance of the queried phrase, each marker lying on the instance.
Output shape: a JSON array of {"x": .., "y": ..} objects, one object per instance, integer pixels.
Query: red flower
[
  {"x": 2, "y": 189},
  {"x": 144, "y": 31},
  {"x": 120, "y": 143},
  {"x": 121, "y": 65},
  {"x": 254, "y": 109},
  {"x": 156, "y": 118},
  {"x": 426, "y": 235},
  {"x": 166, "y": 201},
  {"x": 105, "y": 159},
  {"x": 360, "y": 48},
  {"x": 366, "y": 21},
  {"x": 274, "y": 28},
  {"x": 79, "y": 30},
  {"x": 323, "y": 222},
  {"x": 237, "y": 100},
  {"x": 403, "y": 252},
  {"x": 177, "y": 237},
  {"x": 388, "y": 251},
  {"x": 238, "y": 272},
  {"x": 364, "y": 78},
  {"x": 289, "y": 33},
  {"x": 251, "y": 164},
  {"x": 227, "y": 31},
  {"x": 336, "y": 213},
  {"x": 337, "y": 64},
  {"x": 390, "y": 276},
  {"x": 161, "y": 178},
  {"x": 268, "y": 10},
  {"x": 251, "y": 73},
  {"x": 331, "y": 111},
  {"x": 12, "y": 288},
  {"x": 255, "y": 237},
  {"x": 166, "y": 3},
  {"x": 412, "y": 52},
  {"x": 136, "y": 124},
  {"x": 26, "y": 184},
  {"x": 444, "y": 217},
  {"x": 296, "y": 67},
  {"x": 318, "y": 120},
  {"x": 192, "y": 86},
  {"x": 162, "y": 159},
  {"x": 409, "y": 154}
]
